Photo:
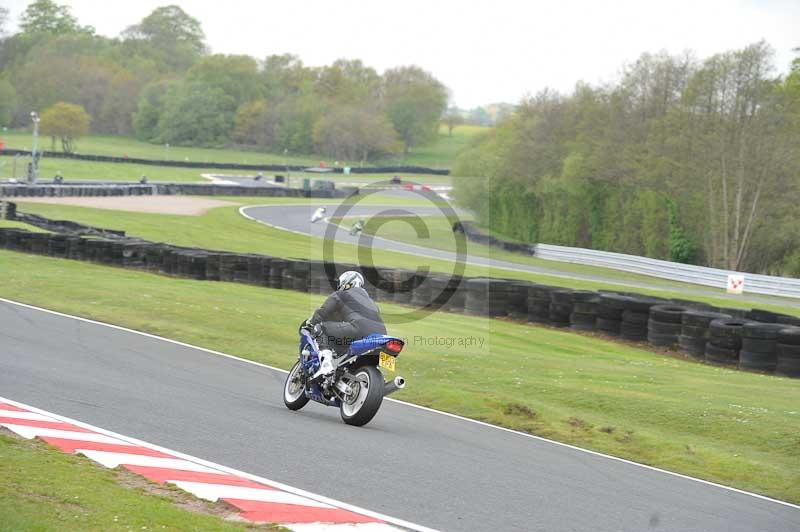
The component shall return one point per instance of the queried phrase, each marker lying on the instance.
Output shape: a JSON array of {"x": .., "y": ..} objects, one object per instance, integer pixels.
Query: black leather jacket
[{"x": 352, "y": 306}]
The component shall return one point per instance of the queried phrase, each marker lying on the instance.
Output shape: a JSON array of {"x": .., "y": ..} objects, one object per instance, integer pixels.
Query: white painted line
[
  {"x": 33, "y": 416},
  {"x": 211, "y": 465},
  {"x": 410, "y": 405},
  {"x": 214, "y": 492},
  {"x": 354, "y": 527},
  {"x": 112, "y": 460},
  {"x": 31, "y": 432}
]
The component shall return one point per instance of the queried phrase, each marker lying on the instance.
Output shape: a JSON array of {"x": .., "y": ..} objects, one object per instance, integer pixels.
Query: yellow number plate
[{"x": 386, "y": 361}]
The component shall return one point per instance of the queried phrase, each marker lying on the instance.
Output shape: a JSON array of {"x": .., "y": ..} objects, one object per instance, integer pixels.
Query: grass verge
[
  {"x": 42, "y": 488},
  {"x": 737, "y": 428}
]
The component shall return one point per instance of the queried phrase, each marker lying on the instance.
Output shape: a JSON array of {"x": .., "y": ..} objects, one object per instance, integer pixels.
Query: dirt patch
[{"x": 185, "y": 205}]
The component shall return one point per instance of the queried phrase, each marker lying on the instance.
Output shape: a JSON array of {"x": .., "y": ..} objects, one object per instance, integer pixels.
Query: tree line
[
  {"x": 681, "y": 159},
  {"x": 159, "y": 81}
]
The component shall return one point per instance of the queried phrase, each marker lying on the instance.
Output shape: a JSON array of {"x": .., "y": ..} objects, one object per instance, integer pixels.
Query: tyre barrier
[
  {"x": 788, "y": 352},
  {"x": 760, "y": 346},
  {"x": 664, "y": 325},
  {"x": 561, "y": 304},
  {"x": 584, "y": 310},
  {"x": 167, "y": 189},
  {"x": 477, "y": 298},
  {"x": 694, "y": 331},
  {"x": 539, "y": 303},
  {"x": 227, "y": 166},
  {"x": 710, "y": 334},
  {"x": 725, "y": 340}
]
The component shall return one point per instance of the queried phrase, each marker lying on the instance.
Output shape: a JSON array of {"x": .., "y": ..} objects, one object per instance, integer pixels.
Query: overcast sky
[{"x": 483, "y": 51}]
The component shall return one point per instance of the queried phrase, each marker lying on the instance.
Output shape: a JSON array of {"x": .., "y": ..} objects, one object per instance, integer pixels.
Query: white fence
[{"x": 754, "y": 283}]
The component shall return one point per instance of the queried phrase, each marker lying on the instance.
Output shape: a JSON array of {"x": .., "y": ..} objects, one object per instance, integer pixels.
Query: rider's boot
[{"x": 326, "y": 363}]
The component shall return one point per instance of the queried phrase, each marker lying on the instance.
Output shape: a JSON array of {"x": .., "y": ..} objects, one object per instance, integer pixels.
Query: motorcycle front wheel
[
  {"x": 364, "y": 400},
  {"x": 294, "y": 390}
]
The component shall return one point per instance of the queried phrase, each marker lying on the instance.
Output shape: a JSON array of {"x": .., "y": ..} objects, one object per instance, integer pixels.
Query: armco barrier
[
  {"x": 227, "y": 166},
  {"x": 755, "y": 283},
  {"x": 662, "y": 269}
]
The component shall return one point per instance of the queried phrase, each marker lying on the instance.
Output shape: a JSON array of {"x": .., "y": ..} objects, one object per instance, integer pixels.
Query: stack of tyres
[
  {"x": 539, "y": 303},
  {"x": 76, "y": 248},
  {"x": 518, "y": 300},
  {"x": 234, "y": 267},
  {"x": 212, "y": 266},
  {"x": 725, "y": 340},
  {"x": 560, "y": 307},
  {"x": 610, "y": 307},
  {"x": 133, "y": 254},
  {"x": 664, "y": 325},
  {"x": 383, "y": 284},
  {"x": 763, "y": 316},
  {"x": 441, "y": 291},
  {"x": 635, "y": 317},
  {"x": 792, "y": 321},
  {"x": 316, "y": 276},
  {"x": 584, "y": 310},
  {"x": 276, "y": 268},
  {"x": 57, "y": 246},
  {"x": 788, "y": 352},
  {"x": 760, "y": 346},
  {"x": 257, "y": 269},
  {"x": 40, "y": 243},
  {"x": 403, "y": 284},
  {"x": 370, "y": 274},
  {"x": 458, "y": 294},
  {"x": 423, "y": 293},
  {"x": 299, "y": 276},
  {"x": 477, "y": 302},
  {"x": 499, "y": 295},
  {"x": 13, "y": 237},
  {"x": 694, "y": 331}
]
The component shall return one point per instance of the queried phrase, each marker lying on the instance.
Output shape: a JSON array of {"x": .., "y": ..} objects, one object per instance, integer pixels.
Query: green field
[
  {"x": 440, "y": 153},
  {"x": 737, "y": 428},
  {"x": 225, "y": 229},
  {"x": 44, "y": 489}
]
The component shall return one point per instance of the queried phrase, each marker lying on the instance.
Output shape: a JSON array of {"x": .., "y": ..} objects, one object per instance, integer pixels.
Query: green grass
[
  {"x": 225, "y": 229},
  {"x": 736, "y": 428},
  {"x": 44, "y": 489},
  {"x": 440, "y": 153}
]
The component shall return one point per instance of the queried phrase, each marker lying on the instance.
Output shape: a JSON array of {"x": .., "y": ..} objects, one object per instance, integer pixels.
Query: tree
[
  {"x": 8, "y": 102},
  {"x": 196, "y": 114},
  {"x": 415, "y": 101},
  {"x": 354, "y": 133},
  {"x": 67, "y": 121},
  {"x": 235, "y": 75},
  {"x": 149, "y": 110},
  {"x": 254, "y": 124},
  {"x": 45, "y": 16},
  {"x": 169, "y": 33},
  {"x": 452, "y": 119}
]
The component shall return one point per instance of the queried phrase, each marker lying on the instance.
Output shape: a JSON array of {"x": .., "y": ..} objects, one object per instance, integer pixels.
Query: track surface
[
  {"x": 297, "y": 218},
  {"x": 409, "y": 463}
]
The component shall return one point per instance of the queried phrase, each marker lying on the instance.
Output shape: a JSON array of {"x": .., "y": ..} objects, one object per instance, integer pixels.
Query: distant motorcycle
[
  {"x": 356, "y": 386},
  {"x": 357, "y": 228},
  {"x": 318, "y": 215}
]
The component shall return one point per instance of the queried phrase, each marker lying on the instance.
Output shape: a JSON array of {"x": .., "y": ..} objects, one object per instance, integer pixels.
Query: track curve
[
  {"x": 411, "y": 463},
  {"x": 296, "y": 218}
]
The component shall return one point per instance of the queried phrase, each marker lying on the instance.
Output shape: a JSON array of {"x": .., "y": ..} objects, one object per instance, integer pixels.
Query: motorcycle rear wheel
[
  {"x": 294, "y": 390},
  {"x": 359, "y": 407}
]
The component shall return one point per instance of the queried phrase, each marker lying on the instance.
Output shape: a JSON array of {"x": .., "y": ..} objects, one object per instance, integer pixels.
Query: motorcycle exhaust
[{"x": 398, "y": 383}]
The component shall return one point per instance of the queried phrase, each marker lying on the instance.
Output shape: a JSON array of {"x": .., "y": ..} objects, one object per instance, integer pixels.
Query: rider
[
  {"x": 346, "y": 316},
  {"x": 318, "y": 214}
]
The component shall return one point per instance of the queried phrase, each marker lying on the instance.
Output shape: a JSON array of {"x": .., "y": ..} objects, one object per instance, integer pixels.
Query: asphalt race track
[
  {"x": 418, "y": 465},
  {"x": 297, "y": 218}
]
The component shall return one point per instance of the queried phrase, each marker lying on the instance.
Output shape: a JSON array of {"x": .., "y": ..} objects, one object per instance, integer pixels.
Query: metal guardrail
[{"x": 754, "y": 283}]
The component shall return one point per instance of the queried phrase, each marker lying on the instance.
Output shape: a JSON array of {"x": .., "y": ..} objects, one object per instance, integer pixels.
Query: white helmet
[{"x": 350, "y": 279}]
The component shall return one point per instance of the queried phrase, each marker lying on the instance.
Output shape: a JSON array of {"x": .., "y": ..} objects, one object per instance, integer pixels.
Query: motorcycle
[{"x": 356, "y": 386}]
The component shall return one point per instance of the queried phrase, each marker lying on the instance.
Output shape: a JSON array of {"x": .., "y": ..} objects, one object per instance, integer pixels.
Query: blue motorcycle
[{"x": 356, "y": 386}]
